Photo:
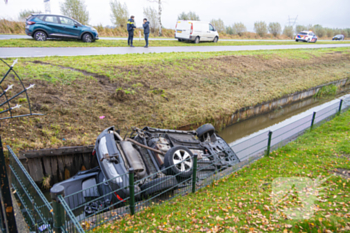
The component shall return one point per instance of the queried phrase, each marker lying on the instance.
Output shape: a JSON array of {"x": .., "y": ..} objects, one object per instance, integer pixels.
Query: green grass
[
  {"x": 137, "y": 43},
  {"x": 242, "y": 202}
]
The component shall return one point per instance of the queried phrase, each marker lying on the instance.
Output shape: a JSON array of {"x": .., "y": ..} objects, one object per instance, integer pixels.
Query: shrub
[
  {"x": 230, "y": 30},
  {"x": 288, "y": 31},
  {"x": 300, "y": 28},
  {"x": 319, "y": 30},
  {"x": 260, "y": 28},
  {"x": 188, "y": 16},
  {"x": 240, "y": 28},
  {"x": 275, "y": 28}
]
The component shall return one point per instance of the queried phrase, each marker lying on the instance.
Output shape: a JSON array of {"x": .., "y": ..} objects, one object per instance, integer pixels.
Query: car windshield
[
  {"x": 302, "y": 33},
  {"x": 338, "y": 35}
]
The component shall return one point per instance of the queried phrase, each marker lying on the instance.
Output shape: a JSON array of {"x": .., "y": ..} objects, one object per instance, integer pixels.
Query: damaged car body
[{"x": 160, "y": 159}]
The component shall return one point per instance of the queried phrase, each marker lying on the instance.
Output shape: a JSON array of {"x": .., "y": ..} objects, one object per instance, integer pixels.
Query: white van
[{"x": 195, "y": 31}]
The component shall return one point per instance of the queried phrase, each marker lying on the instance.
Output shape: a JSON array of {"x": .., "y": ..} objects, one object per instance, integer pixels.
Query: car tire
[
  {"x": 197, "y": 40},
  {"x": 179, "y": 40},
  {"x": 40, "y": 36},
  {"x": 296, "y": 40},
  {"x": 216, "y": 39},
  {"x": 173, "y": 159},
  {"x": 206, "y": 128},
  {"x": 87, "y": 38},
  {"x": 158, "y": 185}
]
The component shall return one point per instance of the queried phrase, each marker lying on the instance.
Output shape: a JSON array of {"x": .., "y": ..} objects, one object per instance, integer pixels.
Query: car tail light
[
  {"x": 30, "y": 22},
  {"x": 93, "y": 152},
  {"x": 191, "y": 28}
]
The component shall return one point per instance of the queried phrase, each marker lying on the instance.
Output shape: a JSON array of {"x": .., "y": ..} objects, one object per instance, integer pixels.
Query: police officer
[
  {"x": 130, "y": 27},
  {"x": 146, "y": 31}
]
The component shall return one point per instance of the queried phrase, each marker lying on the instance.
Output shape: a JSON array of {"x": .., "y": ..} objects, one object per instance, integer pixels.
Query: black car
[
  {"x": 338, "y": 37},
  {"x": 43, "y": 26},
  {"x": 161, "y": 159}
]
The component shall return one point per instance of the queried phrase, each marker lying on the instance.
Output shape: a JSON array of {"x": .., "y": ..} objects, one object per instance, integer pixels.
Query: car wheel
[
  {"x": 196, "y": 41},
  {"x": 207, "y": 128},
  {"x": 179, "y": 40},
  {"x": 40, "y": 36},
  {"x": 87, "y": 38},
  {"x": 308, "y": 41},
  {"x": 180, "y": 161},
  {"x": 216, "y": 39},
  {"x": 158, "y": 185},
  {"x": 296, "y": 40}
]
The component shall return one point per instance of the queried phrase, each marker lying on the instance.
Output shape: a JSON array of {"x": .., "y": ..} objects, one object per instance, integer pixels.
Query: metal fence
[
  {"x": 35, "y": 208},
  {"x": 98, "y": 204}
]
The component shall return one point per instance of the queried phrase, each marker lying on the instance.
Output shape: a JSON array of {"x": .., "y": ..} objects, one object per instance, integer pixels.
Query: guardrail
[{"x": 98, "y": 204}]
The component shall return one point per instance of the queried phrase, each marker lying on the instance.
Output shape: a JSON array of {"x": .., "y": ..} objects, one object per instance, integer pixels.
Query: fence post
[
  {"x": 58, "y": 210},
  {"x": 313, "y": 120},
  {"x": 8, "y": 214},
  {"x": 269, "y": 143},
  {"x": 132, "y": 191},
  {"x": 340, "y": 106},
  {"x": 194, "y": 175}
]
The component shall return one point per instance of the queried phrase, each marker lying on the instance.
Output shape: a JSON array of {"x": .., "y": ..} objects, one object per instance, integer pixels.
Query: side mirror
[{"x": 76, "y": 25}]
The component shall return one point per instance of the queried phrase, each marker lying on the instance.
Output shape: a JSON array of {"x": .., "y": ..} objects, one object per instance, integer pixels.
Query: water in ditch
[{"x": 246, "y": 127}]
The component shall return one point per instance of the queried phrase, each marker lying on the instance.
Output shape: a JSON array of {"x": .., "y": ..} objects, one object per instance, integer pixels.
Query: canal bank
[{"x": 50, "y": 166}]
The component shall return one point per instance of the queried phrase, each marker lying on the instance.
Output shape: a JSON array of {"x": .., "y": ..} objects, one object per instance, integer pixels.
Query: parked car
[
  {"x": 43, "y": 26},
  {"x": 196, "y": 31},
  {"x": 161, "y": 159},
  {"x": 338, "y": 37},
  {"x": 306, "y": 36}
]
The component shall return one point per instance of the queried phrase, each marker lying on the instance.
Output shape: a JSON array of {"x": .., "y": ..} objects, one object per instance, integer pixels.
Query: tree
[
  {"x": 75, "y": 9},
  {"x": 218, "y": 25},
  {"x": 275, "y": 28},
  {"x": 151, "y": 15},
  {"x": 119, "y": 16},
  {"x": 188, "y": 16},
  {"x": 239, "y": 28},
  {"x": 25, "y": 13},
  {"x": 300, "y": 28},
  {"x": 329, "y": 32},
  {"x": 319, "y": 30},
  {"x": 230, "y": 30},
  {"x": 288, "y": 31},
  {"x": 159, "y": 14},
  {"x": 260, "y": 28}
]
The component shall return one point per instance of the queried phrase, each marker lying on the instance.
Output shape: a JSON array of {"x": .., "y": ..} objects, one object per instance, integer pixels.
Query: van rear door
[{"x": 183, "y": 30}]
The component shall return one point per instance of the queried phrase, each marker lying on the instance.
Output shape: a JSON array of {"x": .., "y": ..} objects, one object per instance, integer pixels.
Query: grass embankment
[
  {"x": 166, "y": 90},
  {"x": 243, "y": 201},
  {"x": 141, "y": 43}
]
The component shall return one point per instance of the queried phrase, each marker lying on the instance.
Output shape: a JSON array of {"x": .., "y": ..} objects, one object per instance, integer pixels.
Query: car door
[
  {"x": 52, "y": 26},
  {"x": 69, "y": 28},
  {"x": 205, "y": 32},
  {"x": 212, "y": 33}
]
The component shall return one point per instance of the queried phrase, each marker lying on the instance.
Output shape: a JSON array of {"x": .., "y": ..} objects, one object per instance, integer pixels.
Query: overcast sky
[{"x": 328, "y": 13}]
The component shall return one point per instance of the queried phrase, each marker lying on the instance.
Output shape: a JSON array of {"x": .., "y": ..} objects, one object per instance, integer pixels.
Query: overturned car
[{"x": 160, "y": 159}]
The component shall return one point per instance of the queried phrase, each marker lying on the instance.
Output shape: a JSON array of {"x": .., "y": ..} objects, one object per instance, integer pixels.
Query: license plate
[{"x": 179, "y": 31}]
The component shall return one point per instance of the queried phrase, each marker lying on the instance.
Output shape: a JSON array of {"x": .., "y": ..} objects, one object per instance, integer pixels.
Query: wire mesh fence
[
  {"x": 36, "y": 209},
  {"x": 101, "y": 201}
]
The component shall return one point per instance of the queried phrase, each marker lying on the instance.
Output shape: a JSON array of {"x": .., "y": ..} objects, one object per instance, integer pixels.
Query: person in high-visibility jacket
[{"x": 130, "y": 27}]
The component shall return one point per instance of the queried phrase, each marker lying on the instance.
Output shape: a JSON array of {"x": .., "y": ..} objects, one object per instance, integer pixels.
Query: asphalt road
[
  {"x": 7, "y": 37},
  {"x": 79, "y": 51}
]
